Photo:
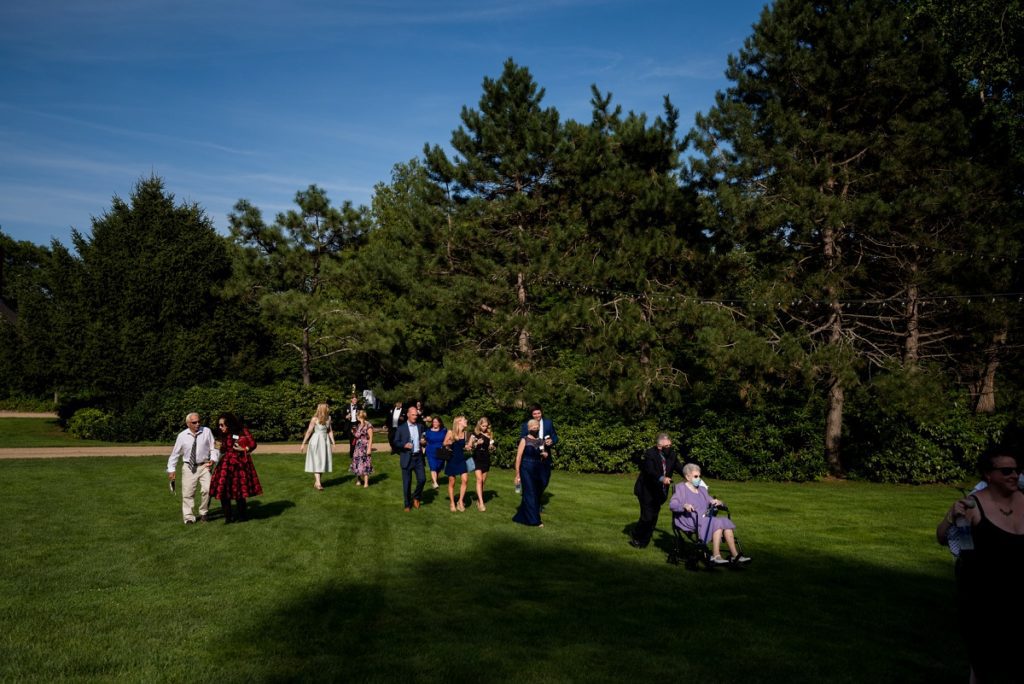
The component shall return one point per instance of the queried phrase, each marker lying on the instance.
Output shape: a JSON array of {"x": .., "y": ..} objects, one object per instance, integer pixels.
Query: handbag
[
  {"x": 470, "y": 465},
  {"x": 444, "y": 453}
]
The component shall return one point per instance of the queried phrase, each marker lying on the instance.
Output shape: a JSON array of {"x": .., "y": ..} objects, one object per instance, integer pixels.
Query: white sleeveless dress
[{"x": 318, "y": 451}]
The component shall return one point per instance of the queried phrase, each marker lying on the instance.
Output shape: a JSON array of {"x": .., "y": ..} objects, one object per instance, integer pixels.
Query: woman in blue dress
[
  {"x": 435, "y": 440},
  {"x": 530, "y": 474},
  {"x": 456, "y": 467}
]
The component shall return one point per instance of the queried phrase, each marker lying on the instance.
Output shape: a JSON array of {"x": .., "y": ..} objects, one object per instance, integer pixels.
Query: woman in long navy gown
[{"x": 529, "y": 473}]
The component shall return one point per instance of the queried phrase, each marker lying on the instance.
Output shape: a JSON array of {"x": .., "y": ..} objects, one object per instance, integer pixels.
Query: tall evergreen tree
[
  {"x": 134, "y": 306},
  {"x": 288, "y": 267},
  {"x": 815, "y": 173}
]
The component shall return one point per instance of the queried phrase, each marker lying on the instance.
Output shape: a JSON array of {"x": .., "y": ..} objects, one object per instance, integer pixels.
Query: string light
[{"x": 760, "y": 303}]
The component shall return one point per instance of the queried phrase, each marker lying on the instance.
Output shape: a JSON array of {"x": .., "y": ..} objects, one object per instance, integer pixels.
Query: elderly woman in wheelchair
[{"x": 694, "y": 509}]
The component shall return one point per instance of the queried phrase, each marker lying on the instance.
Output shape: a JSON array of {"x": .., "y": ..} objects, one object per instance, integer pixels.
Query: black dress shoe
[
  {"x": 637, "y": 545},
  {"x": 203, "y": 519}
]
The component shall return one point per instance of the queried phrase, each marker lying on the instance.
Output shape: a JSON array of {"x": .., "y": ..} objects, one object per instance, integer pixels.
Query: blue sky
[{"x": 227, "y": 99}]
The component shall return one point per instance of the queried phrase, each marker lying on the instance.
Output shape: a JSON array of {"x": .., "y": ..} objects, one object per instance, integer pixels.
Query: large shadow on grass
[{"x": 520, "y": 609}]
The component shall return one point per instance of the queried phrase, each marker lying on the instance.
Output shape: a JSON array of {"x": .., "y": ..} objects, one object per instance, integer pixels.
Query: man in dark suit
[
  {"x": 652, "y": 485},
  {"x": 352, "y": 411},
  {"x": 396, "y": 416},
  {"x": 548, "y": 434},
  {"x": 408, "y": 444}
]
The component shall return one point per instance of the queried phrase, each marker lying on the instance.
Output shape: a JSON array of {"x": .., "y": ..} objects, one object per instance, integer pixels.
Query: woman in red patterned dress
[{"x": 235, "y": 477}]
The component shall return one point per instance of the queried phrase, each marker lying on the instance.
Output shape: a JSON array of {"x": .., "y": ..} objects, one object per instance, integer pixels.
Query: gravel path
[{"x": 25, "y": 414}]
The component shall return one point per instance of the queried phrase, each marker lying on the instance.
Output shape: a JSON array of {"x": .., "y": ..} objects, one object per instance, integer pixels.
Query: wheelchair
[{"x": 692, "y": 550}]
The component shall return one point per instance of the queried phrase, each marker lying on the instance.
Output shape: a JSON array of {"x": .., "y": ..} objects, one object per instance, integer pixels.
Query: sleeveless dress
[
  {"x": 235, "y": 477},
  {"x": 362, "y": 463},
  {"x": 482, "y": 453},
  {"x": 435, "y": 440},
  {"x": 318, "y": 450},
  {"x": 531, "y": 475},
  {"x": 995, "y": 565},
  {"x": 457, "y": 463}
]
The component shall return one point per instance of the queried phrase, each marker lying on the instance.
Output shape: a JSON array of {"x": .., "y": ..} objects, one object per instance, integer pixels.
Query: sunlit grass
[{"x": 100, "y": 580}]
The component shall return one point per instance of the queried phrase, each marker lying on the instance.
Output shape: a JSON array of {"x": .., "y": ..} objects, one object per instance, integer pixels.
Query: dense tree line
[{"x": 822, "y": 276}]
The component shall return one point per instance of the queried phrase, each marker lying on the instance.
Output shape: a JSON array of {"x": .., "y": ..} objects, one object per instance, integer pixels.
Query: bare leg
[
  {"x": 716, "y": 543},
  {"x": 462, "y": 491},
  {"x": 433, "y": 478},
  {"x": 451, "y": 491},
  {"x": 316, "y": 481},
  {"x": 480, "y": 477},
  {"x": 730, "y": 539}
]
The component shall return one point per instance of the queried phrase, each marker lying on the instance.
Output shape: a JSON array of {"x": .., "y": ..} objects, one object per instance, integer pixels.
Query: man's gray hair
[
  {"x": 662, "y": 437},
  {"x": 190, "y": 414}
]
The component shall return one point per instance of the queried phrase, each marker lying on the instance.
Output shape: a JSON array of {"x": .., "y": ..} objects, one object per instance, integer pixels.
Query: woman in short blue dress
[
  {"x": 435, "y": 440},
  {"x": 456, "y": 467},
  {"x": 530, "y": 474}
]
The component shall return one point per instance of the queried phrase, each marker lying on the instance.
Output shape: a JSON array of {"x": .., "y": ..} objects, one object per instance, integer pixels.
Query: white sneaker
[
  {"x": 742, "y": 559},
  {"x": 718, "y": 560}
]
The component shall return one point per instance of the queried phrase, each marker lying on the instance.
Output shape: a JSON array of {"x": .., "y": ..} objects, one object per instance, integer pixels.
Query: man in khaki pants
[{"x": 195, "y": 446}]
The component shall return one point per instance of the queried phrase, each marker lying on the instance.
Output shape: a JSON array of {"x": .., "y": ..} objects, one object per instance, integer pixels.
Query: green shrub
[
  {"x": 943, "y": 450},
  {"x": 27, "y": 404},
  {"x": 742, "y": 445},
  {"x": 274, "y": 413},
  {"x": 595, "y": 447},
  {"x": 91, "y": 423}
]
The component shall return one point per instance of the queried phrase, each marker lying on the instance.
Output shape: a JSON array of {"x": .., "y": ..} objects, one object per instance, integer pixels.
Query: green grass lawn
[
  {"x": 43, "y": 432},
  {"x": 99, "y": 581}
]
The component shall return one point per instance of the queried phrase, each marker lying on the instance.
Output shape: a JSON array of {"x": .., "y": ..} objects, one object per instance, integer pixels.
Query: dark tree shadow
[
  {"x": 261, "y": 510},
  {"x": 335, "y": 481},
  {"x": 538, "y": 612}
]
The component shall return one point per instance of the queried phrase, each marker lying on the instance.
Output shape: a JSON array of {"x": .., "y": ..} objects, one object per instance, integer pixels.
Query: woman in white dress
[{"x": 317, "y": 444}]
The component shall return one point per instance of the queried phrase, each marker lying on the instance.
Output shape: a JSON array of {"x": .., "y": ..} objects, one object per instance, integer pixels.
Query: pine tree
[
  {"x": 815, "y": 173},
  {"x": 289, "y": 266}
]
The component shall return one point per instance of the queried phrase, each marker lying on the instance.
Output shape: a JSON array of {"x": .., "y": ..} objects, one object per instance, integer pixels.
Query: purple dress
[{"x": 700, "y": 500}]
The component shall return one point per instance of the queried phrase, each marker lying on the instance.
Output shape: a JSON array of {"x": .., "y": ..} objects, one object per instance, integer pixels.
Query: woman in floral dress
[{"x": 362, "y": 463}]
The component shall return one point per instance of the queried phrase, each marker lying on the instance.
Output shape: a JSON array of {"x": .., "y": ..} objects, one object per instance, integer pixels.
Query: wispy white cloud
[
  {"x": 149, "y": 136},
  {"x": 703, "y": 69}
]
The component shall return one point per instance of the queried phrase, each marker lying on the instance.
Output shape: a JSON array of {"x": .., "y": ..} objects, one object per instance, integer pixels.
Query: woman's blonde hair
[
  {"x": 459, "y": 425},
  {"x": 323, "y": 414},
  {"x": 478, "y": 430},
  {"x": 361, "y": 416}
]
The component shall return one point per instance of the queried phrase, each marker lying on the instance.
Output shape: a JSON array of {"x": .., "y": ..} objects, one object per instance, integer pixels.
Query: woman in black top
[
  {"x": 989, "y": 575},
  {"x": 481, "y": 444}
]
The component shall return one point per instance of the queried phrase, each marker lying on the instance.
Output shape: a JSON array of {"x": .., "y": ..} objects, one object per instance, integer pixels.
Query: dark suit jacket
[
  {"x": 401, "y": 438},
  {"x": 648, "y": 483}
]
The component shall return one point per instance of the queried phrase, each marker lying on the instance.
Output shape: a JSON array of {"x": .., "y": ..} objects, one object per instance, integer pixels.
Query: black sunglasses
[{"x": 1007, "y": 470}]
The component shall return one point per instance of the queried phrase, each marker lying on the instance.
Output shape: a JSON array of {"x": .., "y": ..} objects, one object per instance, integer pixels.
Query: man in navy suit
[
  {"x": 548, "y": 434},
  {"x": 408, "y": 442}
]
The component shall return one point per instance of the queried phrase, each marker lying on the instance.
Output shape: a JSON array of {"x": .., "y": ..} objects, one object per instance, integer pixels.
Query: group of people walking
[
  {"x": 222, "y": 467},
  {"x": 424, "y": 442}
]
